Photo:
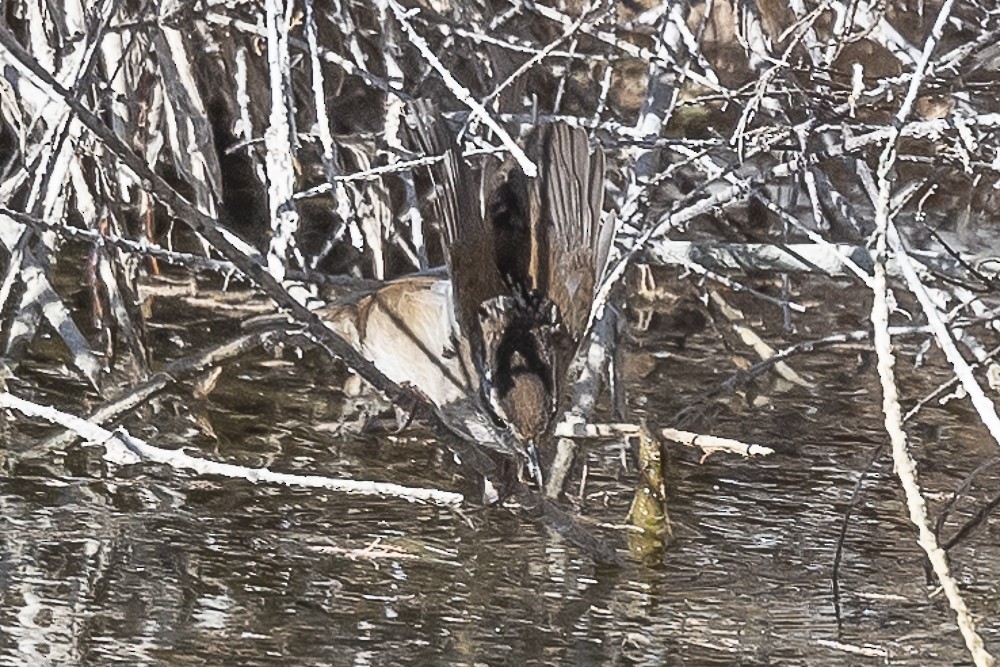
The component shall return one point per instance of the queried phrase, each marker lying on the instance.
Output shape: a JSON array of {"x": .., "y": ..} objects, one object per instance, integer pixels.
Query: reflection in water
[{"x": 152, "y": 566}]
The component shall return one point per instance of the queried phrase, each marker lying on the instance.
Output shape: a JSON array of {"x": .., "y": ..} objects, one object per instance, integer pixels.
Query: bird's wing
[
  {"x": 468, "y": 240},
  {"x": 566, "y": 200}
]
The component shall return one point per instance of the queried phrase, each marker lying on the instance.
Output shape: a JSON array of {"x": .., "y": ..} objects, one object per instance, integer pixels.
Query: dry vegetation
[{"x": 264, "y": 142}]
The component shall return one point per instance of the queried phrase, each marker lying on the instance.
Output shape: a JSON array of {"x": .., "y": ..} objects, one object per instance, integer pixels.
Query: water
[{"x": 146, "y": 565}]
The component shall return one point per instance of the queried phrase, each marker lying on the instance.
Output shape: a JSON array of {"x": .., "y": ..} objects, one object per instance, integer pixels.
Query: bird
[
  {"x": 497, "y": 331},
  {"x": 526, "y": 314}
]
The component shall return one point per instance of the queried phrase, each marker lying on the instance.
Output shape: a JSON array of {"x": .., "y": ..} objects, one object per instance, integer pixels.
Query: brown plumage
[{"x": 524, "y": 265}]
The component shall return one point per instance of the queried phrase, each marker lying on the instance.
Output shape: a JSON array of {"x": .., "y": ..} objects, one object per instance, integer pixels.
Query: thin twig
[{"x": 460, "y": 91}]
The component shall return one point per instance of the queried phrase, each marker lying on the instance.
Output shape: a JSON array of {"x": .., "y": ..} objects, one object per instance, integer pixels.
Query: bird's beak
[{"x": 534, "y": 468}]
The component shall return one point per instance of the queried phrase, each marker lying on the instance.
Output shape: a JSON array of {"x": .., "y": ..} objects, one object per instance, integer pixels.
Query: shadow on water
[{"x": 149, "y": 565}]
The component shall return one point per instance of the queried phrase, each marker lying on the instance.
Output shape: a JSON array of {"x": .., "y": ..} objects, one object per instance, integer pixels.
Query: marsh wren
[{"x": 523, "y": 258}]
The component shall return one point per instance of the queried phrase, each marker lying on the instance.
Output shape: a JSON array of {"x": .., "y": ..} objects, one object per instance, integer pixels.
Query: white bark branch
[{"x": 122, "y": 449}]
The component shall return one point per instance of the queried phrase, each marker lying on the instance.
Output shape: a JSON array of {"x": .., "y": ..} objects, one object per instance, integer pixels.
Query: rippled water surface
[{"x": 145, "y": 565}]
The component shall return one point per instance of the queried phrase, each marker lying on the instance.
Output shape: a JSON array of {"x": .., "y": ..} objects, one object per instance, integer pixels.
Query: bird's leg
[
  {"x": 409, "y": 403},
  {"x": 405, "y": 407}
]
